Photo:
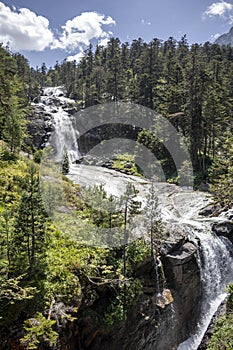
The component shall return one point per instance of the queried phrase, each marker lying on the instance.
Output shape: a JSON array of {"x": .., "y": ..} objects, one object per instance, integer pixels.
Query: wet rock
[
  {"x": 224, "y": 229},
  {"x": 173, "y": 244},
  {"x": 228, "y": 215},
  {"x": 71, "y": 110},
  {"x": 128, "y": 165},
  {"x": 210, "y": 210},
  {"x": 41, "y": 121},
  {"x": 204, "y": 187},
  {"x": 40, "y": 126},
  {"x": 165, "y": 298}
]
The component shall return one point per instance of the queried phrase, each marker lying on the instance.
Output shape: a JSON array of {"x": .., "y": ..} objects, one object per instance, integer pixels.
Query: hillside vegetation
[{"x": 47, "y": 277}]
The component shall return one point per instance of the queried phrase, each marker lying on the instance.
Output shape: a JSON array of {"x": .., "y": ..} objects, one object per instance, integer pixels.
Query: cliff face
[
  {"x": 160, "y": 321},
  {"x": 40, "y": 126},
  {"x": 163, "y": 317},
  {"x": 94, "y": 136},
  {"x": 165, "y": 314}
]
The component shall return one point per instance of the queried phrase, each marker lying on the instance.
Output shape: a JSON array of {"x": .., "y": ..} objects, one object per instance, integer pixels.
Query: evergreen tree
[
  {"x": 130, "y": 207},
  {"x": 153, "y": 220},
  {"x": 65, "y": 166},
  {"x": 29, "y": 235},
  {"x": 15, "y": 125},
  {"x": 220, "y": 175}
]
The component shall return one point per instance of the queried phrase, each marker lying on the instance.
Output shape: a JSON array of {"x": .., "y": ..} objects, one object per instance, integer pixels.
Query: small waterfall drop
[
  {"x": 156, "y": 267},
  {"x": 65, "y": 135},
  {"x": 215, "y": 261}
]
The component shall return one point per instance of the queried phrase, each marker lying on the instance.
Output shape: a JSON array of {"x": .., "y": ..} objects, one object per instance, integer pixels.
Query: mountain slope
[{"x": 225, "y": 39}]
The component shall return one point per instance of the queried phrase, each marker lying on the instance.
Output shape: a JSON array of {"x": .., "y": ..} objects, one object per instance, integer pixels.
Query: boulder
[
  {"x": 182, "y": 255},
  {"x": 165, "y": 298},
  {"x": 224, "y": 228},
  {"x": 204, "y": 187},
  {"x": 173, "y": 245},
  {"x": 128, "y": 165}
]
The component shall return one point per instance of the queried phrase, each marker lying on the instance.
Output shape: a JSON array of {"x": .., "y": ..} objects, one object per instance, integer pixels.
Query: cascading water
[
  {"x": 215, "y": 254},
  {"x": 215, "y": 262},
  {"x": 65, "y": 136}
]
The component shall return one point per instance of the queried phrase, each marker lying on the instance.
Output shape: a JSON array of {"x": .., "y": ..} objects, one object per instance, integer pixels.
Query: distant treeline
[{"x": 192, "y": 85}]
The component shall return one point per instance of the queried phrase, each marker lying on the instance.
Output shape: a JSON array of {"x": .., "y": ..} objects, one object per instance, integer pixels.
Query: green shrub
[
  {"x": 222, "y": 337},
  {"x": 126, "y": 164},
  {"x": 37, "y": 156},
  {"x": 39, "y": 330},
  {"x": 138, "y": 251}
]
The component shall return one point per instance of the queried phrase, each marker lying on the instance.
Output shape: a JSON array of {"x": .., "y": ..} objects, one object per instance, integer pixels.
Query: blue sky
[{"x": 47, "y": 31}]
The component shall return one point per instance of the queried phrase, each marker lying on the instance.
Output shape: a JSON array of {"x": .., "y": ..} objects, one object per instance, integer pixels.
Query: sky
[{"x": 49, "y": 31}]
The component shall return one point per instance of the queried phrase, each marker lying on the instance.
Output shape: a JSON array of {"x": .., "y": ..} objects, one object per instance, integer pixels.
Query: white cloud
[
  {"x": 77, "y": 57},
  {"x": 103, "y": 42},
  {"x": 81, "y": 30},
  {"x": 222, "y": 9},
  {"x": 23, "y": 29},
  {"x": 215, "y": 36}
]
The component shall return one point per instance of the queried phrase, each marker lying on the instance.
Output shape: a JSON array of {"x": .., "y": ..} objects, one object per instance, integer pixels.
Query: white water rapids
[
  {"x": 177, "y": 206},
  {"x": 215, "y": 261}
]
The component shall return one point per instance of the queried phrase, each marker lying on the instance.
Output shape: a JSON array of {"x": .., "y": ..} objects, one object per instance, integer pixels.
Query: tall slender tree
[{"x": 29, "y": 235}]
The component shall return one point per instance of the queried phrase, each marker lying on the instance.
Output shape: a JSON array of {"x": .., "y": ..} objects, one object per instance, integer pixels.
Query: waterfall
[
  {"x": 156, "y": 273},
  {"x": 65, "y": 135},
  {"x": 215, "y": 254},
  {"x": 215, "y": 262}
]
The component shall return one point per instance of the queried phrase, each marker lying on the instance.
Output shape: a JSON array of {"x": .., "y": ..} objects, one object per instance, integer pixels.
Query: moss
[{"x": 126, "y": 164}]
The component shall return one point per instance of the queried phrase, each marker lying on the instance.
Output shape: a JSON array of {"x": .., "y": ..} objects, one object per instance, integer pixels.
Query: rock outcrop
[
  {"x": 40, "y": 126},
  {"x": 224, "y": 228},
  {"x": 166, "y": 314},
  {"x": 97, "y": 134}
]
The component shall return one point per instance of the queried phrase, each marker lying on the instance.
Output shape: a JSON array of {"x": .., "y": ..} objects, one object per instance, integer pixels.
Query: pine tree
[
  {"x": 65, "y": 166},
  {"x": 130, "y": 207},
  {"x": 153, "y": 219},
  {"x": 15, "y": 125},
  {"x": 29, "y": 235},
  {"x": 221, "y": 173}
]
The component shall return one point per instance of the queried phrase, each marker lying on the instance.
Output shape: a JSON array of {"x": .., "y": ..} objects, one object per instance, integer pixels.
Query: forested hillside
[
  {"x": 190, "y": 85},
  {"x": 48, "y": 280}
]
